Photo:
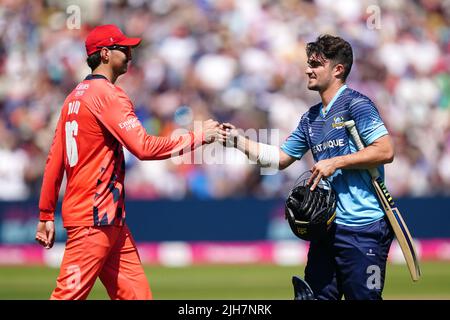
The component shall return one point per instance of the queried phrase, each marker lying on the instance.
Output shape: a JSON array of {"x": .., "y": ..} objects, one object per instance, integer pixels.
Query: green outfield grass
[{"x": 226, "y": 282}]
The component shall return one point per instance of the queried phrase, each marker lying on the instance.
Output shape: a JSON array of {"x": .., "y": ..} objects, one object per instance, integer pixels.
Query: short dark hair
[
  {"x": 332, "y": 48},
  {"x": 94, "y": 60}
]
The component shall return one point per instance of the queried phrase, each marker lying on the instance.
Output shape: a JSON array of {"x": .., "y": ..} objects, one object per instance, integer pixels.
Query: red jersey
[{"x": 96, "y": 120}]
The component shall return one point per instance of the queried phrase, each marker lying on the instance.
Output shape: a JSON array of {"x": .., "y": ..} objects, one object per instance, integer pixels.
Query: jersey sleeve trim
[
  {"x": 376, "y": 134},
  {"x": 285, "y": 148}
]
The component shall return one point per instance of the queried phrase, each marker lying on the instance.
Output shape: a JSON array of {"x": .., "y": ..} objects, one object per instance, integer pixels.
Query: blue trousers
[{"x": 350, "y": 262}]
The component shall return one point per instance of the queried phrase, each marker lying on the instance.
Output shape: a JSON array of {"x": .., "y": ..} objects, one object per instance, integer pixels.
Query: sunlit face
[
  {"x": 319, "y": 72},
  {"x": 118, "y": 56}
]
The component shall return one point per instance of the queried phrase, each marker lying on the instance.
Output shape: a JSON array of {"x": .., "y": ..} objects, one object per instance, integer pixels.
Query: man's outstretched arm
[
  {"x": 264, "y": 155},
  {"x": 117, "y": 114}
]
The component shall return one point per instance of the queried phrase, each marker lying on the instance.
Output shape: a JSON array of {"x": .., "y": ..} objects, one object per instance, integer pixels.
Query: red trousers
[{"x": 108, "y": 252}]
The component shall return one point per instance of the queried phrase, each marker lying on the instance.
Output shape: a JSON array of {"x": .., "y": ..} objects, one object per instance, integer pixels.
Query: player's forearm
[
  {"x": 264, "y": 155},
  {"x": 369, "y": 157},
  {"x": 49, "y": 192},
  {"x": 53, "y": 175},
  {"x": 158, "y": 148},
  {"x": 247, "y": 146}
]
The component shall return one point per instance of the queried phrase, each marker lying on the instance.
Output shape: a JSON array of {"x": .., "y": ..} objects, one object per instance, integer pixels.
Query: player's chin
[
  {"x": 313, "y": 86},
  {"x": 312, "y": 83}
]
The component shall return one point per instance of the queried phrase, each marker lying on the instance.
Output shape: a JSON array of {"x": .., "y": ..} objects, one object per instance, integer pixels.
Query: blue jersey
[{"x": 325, "y": 135}]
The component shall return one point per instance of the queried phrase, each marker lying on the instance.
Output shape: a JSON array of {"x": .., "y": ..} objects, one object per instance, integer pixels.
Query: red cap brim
[{"x": 130, "y": 42}]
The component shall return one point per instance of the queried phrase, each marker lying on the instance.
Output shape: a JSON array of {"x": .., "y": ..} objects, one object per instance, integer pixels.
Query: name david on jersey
[{"x": 330, "y": 144}]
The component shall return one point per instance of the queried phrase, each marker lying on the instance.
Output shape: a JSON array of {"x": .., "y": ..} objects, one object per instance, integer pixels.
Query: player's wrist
[
  {"x": 198, "y": 137},
  {"x": 238, "y": 141},
  {"x": 341, "y": 162}
]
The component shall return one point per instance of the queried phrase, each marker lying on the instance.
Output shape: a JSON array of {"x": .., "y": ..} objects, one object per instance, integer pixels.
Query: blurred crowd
[{"x": 237, "y": 61}]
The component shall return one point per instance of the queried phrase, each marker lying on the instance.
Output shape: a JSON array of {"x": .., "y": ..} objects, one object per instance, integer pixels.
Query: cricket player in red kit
[{"x": 96, "y": 120}]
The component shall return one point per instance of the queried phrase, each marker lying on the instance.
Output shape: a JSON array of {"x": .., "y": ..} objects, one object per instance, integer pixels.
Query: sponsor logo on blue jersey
[{"x": 330, "y": 144}]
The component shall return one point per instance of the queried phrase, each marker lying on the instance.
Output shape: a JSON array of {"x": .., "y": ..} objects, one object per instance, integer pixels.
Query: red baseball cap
[{"x": 107, "y": 35}]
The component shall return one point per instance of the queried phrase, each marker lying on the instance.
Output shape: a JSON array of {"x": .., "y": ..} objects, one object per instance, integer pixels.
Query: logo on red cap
[{"x": 107, "y": 35}]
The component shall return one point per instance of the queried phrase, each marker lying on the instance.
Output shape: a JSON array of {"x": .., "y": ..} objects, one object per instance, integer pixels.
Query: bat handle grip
[{"x": 351, "y": 127}]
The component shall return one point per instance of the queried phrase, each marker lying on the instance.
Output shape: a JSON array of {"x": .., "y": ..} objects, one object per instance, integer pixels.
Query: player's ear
[
  {"x": 338, "y": 70},
  {"x": 105, "y": 55}
]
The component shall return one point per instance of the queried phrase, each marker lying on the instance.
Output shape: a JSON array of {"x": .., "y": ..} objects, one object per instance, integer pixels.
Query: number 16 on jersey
[{"x": 71, "y": 133}]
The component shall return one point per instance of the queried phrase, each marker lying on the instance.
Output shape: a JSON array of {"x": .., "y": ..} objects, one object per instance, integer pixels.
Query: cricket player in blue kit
[{"x": 350, "y": 260}]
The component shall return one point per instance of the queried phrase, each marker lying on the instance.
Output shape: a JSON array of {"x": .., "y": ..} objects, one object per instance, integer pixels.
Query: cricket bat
[{"x": 401, "y": 231}]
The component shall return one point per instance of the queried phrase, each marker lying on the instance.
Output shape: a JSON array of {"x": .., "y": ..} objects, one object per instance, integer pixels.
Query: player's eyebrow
[{"x": 314, "y": 63}]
